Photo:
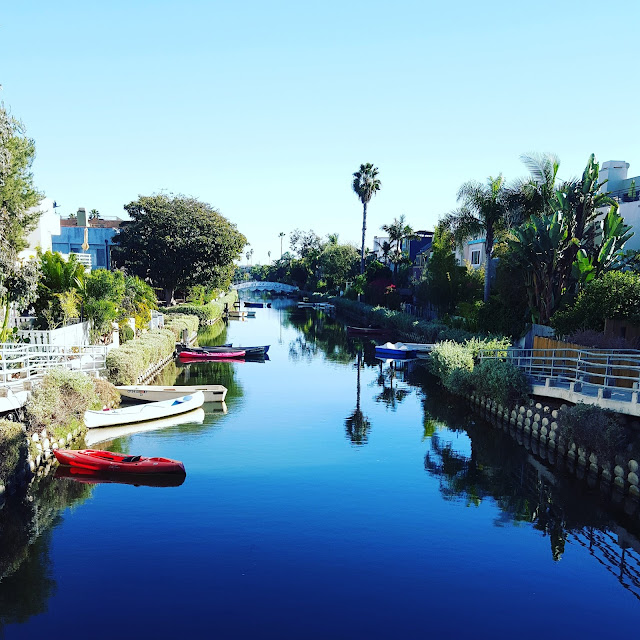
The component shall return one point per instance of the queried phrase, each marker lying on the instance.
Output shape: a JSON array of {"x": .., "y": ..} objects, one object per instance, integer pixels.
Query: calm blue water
[{"x": 305, "y": 516}]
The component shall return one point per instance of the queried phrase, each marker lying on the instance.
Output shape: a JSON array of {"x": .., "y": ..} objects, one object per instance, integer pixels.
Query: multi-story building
[{"x": 91, "y": 240}]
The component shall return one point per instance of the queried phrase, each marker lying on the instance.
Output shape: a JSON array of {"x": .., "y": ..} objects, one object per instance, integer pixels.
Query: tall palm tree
[
  {"x": 281, "y": 235},
  {"x": 398, "y": 231},
  {"x": 365, "y": 185},
  {"x": 484, "y": 210}
]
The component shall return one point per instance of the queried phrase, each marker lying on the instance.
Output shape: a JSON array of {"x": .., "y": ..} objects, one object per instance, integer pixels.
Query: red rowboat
[
  {"x": 210, "y": 355},
  {"x": 108, "y": 461}
]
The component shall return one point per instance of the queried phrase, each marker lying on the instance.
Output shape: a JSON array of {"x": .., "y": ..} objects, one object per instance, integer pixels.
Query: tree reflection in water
[
  {"x": 26, "y": 523},
  {"x": 524, "y": 489},
  {"x": 390, "y": 395},
  {"x": 357, "y": 424}
]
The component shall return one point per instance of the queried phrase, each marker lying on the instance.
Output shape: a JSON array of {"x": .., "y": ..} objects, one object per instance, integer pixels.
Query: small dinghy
[
  {"x": 210, "y": 355},
  {"x": 365, "y": 331},
  {"x": 156, "y": 393},
  {"x": 397, "y": 351},
  {"x": 143, "y": 412},
  {"x": 110, "y": 462}
]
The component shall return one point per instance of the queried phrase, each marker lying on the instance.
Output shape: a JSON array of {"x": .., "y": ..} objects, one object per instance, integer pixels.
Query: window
[{"x": 475, "y": 257}]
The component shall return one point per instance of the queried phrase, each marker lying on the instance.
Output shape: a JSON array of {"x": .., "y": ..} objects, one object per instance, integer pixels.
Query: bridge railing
[{"x": 605, "y": 368}]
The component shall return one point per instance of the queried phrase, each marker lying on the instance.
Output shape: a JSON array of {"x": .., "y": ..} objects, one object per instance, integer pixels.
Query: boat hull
[
  {"x": 154, "y": 393},
  {"x": 396, "y": 354},
  {"x": 87, "y": 476},
  {"x": 210, "y": 355},
  {"x": 111, "y": 462},
  {"x": 143, "y": 412},
  {"x": 365, "y": 331}
]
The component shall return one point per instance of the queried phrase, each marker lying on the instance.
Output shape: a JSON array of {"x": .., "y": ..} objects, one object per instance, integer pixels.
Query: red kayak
[
  {"x": 108, "y": 461},
  {"x": 210, "y": 355},
  {"x": 87, "y": 476}
]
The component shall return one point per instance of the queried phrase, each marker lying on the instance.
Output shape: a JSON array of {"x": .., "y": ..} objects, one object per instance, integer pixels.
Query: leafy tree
[
  {"x": 615, "y": 294},
  {"x": 484, "y": 210},
  {"x": 17, "y": 192},
  {"x": 444, "y": 283},
  {"x": 338, "y": 263},
  {"x": 18, "y": 197},
  {"x": 177, "y": 241},
  {"x": 365, "y": 185},
  {"x": 57, "y": 276}
]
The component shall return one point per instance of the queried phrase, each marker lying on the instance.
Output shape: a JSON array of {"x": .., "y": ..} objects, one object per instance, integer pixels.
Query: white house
[
  {"x": 627, "y": 193},
  {"x": 48, "y": 225},
  {"x": 473, "y": 253}
]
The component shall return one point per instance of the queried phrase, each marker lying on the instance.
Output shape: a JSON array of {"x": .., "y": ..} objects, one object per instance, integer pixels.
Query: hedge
[
  {"x": 177, "y": 323},
  {"x": 126, "y": 363}
]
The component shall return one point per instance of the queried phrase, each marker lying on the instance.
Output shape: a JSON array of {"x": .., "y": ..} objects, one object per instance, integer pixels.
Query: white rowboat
[
  {"x": 143, "y": 412},
  {"x": 156, "y": 393}
]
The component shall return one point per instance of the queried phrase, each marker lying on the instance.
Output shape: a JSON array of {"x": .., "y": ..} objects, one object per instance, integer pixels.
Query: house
[
  {"x": 418, "y": 249},
  {"x": 626, "y": 191},
  {"x": 91, "y": 240},
  {"x": 472, "y": 253},
  {"x": 48, "y": 226}
]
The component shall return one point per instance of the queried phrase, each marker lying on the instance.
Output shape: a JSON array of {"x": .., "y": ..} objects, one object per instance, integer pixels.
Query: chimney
[{"x": 82, "y": 217}]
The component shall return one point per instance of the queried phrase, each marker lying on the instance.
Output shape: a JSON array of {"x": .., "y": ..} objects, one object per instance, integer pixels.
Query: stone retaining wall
[{"x": 536, "y": 428}]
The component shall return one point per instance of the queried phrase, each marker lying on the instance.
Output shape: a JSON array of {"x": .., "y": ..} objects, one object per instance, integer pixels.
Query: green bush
[
  {"x": 13, "y": 448},
  {"x": 597, "y": 430},
  {"x": 178, "y": 323},
  {"x": 59, "y": 402},
  {"x": 126, "y": 333},
  {"x": 615, "y": 294},
  {"x": 204, "y": 312},
  {"x": 447, "y": 356},
  {"x": 108, "y": 395},
  {"x": 125, "y": 364},
  {"x": 460, "y": 381},
  {"x": 502, "y": 381}
]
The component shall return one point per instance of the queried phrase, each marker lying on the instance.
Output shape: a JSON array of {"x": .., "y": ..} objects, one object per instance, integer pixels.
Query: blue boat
[{"x": 397, "y": 351}]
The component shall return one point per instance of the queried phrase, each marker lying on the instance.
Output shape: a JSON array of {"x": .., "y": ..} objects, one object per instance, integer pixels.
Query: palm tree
[
  {"x": 365, "y": 185},
  {"x": 281, "y": 235},
  {"x": 94, "y": 214},
  {"x": 398, "y": 231},
  {"x": 484, "y": 210},
  {"x": 269, "y": 256}
]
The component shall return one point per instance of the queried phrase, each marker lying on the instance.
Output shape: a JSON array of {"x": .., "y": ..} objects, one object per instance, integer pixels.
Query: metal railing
[
  {"x": 576, "y": 368},
  {"x": 26, "y": 361}
]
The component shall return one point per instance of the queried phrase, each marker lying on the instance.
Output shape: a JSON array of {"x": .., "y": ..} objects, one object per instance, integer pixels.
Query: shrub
[
  {"x": 178, "y": 323},
  {"x": 447, "y": 356},
  {"x": 59, "y": 402},
  {"x": 502, "y": 381},
  {"x": 597, "y": 340},
  {"x": 499, "y": 344},
  {"x": 106, "y": 392},
  {"x": 598, "y": 430},
  {"x": 13, "y": 448},
  {"x": 125, "y": 364},
  {"x": 126, "y": 333},
  {"x": 615, "y": 294},
  {"x": 460, "y": 381}
]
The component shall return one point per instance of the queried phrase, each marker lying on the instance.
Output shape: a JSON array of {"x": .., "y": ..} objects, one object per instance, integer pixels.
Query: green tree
[
  {"x": 484, "y": 210},
  {"x": 177, "y": 241},
  {"x": 338, "y": 263},
  {"x": 365, "y": 185}
]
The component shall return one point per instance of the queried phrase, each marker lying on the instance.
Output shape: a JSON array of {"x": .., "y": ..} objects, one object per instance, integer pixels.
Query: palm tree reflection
[
  {"x": 390, "y": 395},
  {"x": 357, "y": 424}
]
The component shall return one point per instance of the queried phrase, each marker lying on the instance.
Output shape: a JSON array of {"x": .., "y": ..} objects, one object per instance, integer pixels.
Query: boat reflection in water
[
  {"x": 103, "y": 434},
  {"x": 99, "y": 477}
]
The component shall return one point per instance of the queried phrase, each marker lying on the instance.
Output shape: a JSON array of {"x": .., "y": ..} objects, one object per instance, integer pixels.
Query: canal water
[{"x": 333, "y": 496}]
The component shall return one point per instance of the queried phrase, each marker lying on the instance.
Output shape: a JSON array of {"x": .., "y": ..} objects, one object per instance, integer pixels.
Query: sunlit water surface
[{"x": 329, "y": 501}]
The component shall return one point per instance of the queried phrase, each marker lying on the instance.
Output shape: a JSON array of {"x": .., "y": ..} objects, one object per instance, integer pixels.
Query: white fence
[
  {"x": 73, "y": 335},
  {"x": 26, "y": 361}
]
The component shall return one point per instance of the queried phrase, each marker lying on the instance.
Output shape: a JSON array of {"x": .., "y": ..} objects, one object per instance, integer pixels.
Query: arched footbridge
[{"x": 275, "y": 287}]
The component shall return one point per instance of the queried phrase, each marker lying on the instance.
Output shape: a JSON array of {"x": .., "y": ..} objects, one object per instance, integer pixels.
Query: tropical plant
[
  {"x": 365, "y": 185},
  {"x": 484, "y": 210},
  {"x": 18, "y": 287}
]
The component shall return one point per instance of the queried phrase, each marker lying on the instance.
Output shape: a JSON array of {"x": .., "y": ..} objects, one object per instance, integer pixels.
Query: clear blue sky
[{"x": 265, "y": 109}]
